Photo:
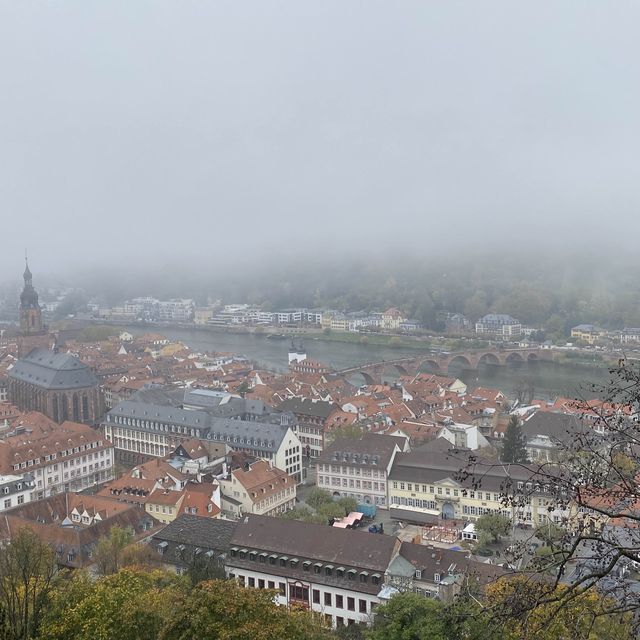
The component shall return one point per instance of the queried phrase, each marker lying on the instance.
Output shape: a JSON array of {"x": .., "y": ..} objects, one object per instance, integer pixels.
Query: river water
[{"x": 546, "y": 379}]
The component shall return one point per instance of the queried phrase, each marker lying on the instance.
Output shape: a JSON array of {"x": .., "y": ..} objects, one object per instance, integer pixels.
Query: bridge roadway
[{"x": 440, "y": 362}]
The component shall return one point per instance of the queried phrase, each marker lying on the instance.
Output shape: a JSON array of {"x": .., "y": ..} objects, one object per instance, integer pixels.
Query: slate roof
[
  {"x": 432, "y": 560},
  {"x": 215, "y": 403},
  {"x": 315, "y": 542},
  {"x": 372, "y": 450},
  {"x": 560, "y": 427},
  {"x": 261, "y": 436},
  {"x": 431, "y": 464},
  {"x": 195, "y": 531},
  {"x": 49, "y": 370},
  {"x": 308, "y": 407}
]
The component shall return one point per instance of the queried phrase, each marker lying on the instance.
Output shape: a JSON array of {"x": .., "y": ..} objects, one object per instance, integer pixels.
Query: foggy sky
[{"x": 142, "y": 131}]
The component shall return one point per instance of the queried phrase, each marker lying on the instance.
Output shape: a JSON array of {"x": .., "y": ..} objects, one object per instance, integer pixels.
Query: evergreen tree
[{"x": 513, "y": 446}]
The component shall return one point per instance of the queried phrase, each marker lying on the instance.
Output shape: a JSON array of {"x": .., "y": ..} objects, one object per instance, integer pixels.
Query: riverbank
[
  {"x": 394, "y": 345},
  {"x": 401, "y": 342}
]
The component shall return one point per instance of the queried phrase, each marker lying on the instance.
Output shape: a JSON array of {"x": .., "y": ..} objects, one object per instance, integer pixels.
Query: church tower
[{"x": 30, "y": 312}]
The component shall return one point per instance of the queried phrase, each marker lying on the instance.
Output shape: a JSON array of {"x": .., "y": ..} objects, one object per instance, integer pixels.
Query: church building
[{"x": 57, "y": 384}]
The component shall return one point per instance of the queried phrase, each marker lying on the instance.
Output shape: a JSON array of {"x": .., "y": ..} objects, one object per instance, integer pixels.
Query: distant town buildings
[
  {"x": 587, "y": 333},
  {"x": 499, "y": 326}
]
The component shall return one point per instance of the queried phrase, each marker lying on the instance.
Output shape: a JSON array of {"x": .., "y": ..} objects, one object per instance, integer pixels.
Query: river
[{"x": 547, "y": 379}]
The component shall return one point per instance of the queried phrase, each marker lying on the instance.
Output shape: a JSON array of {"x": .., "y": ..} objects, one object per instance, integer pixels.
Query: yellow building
[
  {"x": 587, "y": 333},
  {"x": 426, "y": 487}
]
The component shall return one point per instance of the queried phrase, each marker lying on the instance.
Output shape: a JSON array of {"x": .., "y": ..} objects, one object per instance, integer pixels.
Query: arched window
[
  {"x": 85, "y": 408},
  {"x": 76, "y": 408},
  {"x": 55, "y": 408}
]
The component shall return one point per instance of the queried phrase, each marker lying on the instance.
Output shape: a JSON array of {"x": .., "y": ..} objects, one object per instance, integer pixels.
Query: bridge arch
[
  {"x": 514, "y": 358},
  {"x": 532, "y": 357},
  {"x": 368, "y": 378},
  {"x": 429, "y": 364},
  {"x": 398, "y": 368},
  {"x": 488, "y": 358},
  {"x": 460, "y": 359}
]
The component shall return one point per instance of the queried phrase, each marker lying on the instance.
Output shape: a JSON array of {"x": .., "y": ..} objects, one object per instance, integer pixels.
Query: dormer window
[
  {"x": 418, "y": 574},
  {"x": 436, "y": 578}
]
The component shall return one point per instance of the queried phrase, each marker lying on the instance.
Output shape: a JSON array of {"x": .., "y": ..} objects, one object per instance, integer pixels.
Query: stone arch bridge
[{"x": 440, "y": 362}]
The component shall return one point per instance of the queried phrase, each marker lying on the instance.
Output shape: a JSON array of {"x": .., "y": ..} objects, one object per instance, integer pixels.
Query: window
[
  {"x": 362, "y": 606},
  {"x": 340, "y": 572},
  {"x": 7, "y": 503},
  {"x": 252, "y": 555},
  {"x": 306, "y": 565},
  {"x": 436, "y": 578},
  {"x": 317, "y": 567},
  {"x": 351, "y": 604},
  {"x": 282, "y": 587},
  {"x": 252, "y": 582},
  {"x": 316, "y": 596},
  {"x": 339, "y": 602},
  {"x": 327, "y": 598},
  {"x": 260, "y": 583},
  {"x": 351, "y": 574},
  {"x": 298, "y": 592}
]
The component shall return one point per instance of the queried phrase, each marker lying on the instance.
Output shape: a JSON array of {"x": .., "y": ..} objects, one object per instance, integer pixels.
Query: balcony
[{"x": 440, "y": 498}]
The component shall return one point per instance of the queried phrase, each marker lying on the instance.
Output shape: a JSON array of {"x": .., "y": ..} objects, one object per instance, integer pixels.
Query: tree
[
  {"x": 108, "y": 553},
  {"x": 222, "y": 610},
  {"x": 594, "y": 493},
  {"x": 494, "y": 525},
  {"x": 331, "y": 511},
  {"x": 27, "y": 573},
  {"x": 128, "y": 605},
  {"x": 409, "y": 616},
  {"x": 348, "y": 504},
  {"x": 514, "y": 444},
  {"x": 551, "y": 534},
  {"x": 141, "y": 556},
  {"x": 348, "y": 432},
  {"x": 317, "y": 497},
  {"x": 536, "y": 609}
]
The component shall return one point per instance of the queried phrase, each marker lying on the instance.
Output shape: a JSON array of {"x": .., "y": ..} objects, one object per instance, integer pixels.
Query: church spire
[
  {"x": 30, "y": 312},
  {"x": 27, "y": 272}
]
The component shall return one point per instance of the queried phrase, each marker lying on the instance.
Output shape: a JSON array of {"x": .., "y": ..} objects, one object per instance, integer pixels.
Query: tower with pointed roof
[{"x": 30, "y": 312}]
